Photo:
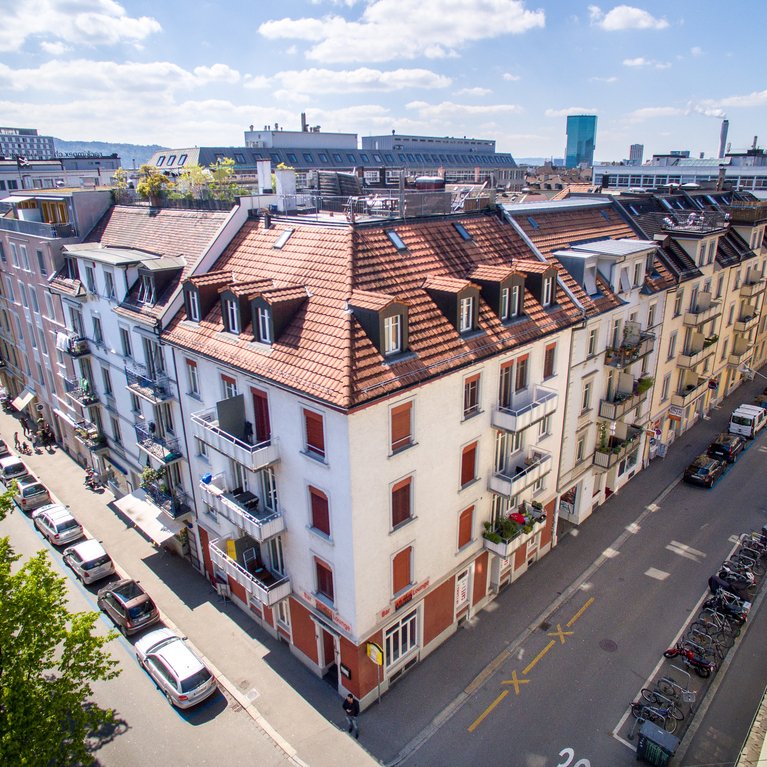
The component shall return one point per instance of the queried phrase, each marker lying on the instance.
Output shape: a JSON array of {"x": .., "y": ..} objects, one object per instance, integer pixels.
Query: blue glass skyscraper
[{"x": 581, "y": 140}]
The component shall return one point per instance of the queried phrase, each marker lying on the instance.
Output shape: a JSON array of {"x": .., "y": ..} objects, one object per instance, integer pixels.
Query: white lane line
[
  {"x": 688, "y": 549},
  {"x": 659, "y": 575}
]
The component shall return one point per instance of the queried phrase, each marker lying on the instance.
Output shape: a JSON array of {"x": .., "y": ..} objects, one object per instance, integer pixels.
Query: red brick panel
[
  {"x": 438, "y": 610},
  {"x": 205, "y": 551},
  {"x": 480, "y": 577},
  {"x": 304, "y": 637}
]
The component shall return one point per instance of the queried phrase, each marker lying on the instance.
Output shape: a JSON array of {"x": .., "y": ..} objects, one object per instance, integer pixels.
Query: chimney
[
  {"x": 304, "y": 126},
  {"x": 720, "y": 180},
  {"x": 251, "y": 129},
  {"x": 276, "y": 127},
  {"x": 723, "y": 137},
  {"x": 755, "y": 138}
]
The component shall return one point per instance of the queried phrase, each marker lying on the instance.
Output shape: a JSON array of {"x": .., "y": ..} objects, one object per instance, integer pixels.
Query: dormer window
[
  {"x": 504, "y": 310},
  {"x": 466, "y": 319},
  {"x": 516, "y": 308},
  {"x": 232, "y": 317},
  {"x": 146, "y": 289},
  {"x": 264, "y": 325},
  {"x": 548, "y": 289},
  {"x": 392, "y": 335},
  {"x": 193, "y": 306}
]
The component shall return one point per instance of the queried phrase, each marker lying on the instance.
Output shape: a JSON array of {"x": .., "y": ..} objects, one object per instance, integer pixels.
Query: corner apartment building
[
  {"x": 365, "y": 401},
  {"x": 64, "y": 172}
]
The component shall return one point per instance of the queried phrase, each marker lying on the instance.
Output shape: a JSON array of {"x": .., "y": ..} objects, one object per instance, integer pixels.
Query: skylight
[
  {"x": 283, "y": 238},
  {"x": 396, "y": 240},
  {"x": 533, "y": 222},
  {"x": 605, "y": 214},
  {"x": 462, "y": 231}
]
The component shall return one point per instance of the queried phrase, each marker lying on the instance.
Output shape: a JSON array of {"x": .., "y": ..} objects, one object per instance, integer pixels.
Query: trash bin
[{"x": 655, "y": 745}]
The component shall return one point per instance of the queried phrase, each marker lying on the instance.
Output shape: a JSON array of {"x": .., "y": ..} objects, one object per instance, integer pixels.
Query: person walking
[
  {"x": 352, "y": 709},
  {"x": 16, "y": 442}
]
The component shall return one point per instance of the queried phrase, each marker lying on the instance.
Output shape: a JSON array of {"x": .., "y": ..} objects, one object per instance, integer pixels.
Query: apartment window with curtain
[
  {"x": 468, "y": 464},
  {"x": 324, "y": 579},
  {"x": 314, "y": 434},
  {"x": 401, "y": 570},
  {"x": 465, "y": 527},
  {"x": 401, "y": 505},
  {"x": 401, "y": 426},
  {"x": 320, "y": 511}
]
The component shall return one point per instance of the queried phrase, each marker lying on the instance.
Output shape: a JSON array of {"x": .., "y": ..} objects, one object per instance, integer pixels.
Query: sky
[{"x": 658, "y": 73}]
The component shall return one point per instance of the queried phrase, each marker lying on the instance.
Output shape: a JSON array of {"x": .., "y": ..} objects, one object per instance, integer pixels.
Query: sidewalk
[{"x": 281, "y": 695}]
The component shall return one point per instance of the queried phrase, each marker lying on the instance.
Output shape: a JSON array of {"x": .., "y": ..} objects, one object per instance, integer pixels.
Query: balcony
[
  {"x": 164, "y": 449},
  {"x": 628, "y": 352},
  {"x": 748, "y": 320},
  {"x": 153, "y": 387},
  {"x": 752, "y": 289},
  {"x": 615, "y": 449},
  {"x": 690, "y": 393},
  {"x": 694, "y": 222},
  {"x": 615, "y": 411},
  {"x": 242, "y": 510},
  {"x": 540, "y": 403},
  {"x": 504, "y": 547},
  {"x": 81, "y": 390},
  {"x": 175, "y": 506},
  {"x": 748, "y": 212},
  {"x": 704, "y": 311},
  {"x": 537, "y": 466},
  {"x": 73, "y": 344},
  {"x": 88, "y": 434},
  {"x": 259, "y": 456},
  {"x": 267, "y": 587},
  {"x": 37, "y": 228},
  {"x": 697, "y": 353},
  {"x": 741, "y": 352}
]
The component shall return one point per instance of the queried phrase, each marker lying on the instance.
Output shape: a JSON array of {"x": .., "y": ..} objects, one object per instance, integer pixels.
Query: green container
[{"x": 655, "y": 745}]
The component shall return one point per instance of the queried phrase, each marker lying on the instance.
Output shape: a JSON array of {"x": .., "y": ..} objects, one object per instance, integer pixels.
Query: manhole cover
[
  {"x": 608, "y": 645},
  {"x": 545, "y": 625}
]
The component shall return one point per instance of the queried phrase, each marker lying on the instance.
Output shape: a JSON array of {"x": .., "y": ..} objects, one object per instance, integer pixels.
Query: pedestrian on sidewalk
[
  {"x": 24, "y": 425},
  {"x": 352, "y": 709},
  {"x": 16, "y": 442}
]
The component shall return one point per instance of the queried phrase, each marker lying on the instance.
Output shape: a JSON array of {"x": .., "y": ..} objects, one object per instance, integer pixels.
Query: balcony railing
[
  {"x": 37, "y": 228},
  {"x": 691, "y": 358},
  {"x": 241, "y": 511},
  {"x": 745, "y": 323},
  {"x": 259, "y": 456},
  {"x": 73, "y": 344},
  {"x": 507, "y": 546},
  {"x": 88, "y": 434},
  {"x": 748, "y": 212},
  {"x": 627, "y": 354},
  {"x": 701, "y": 315},
  {"x": 694, "y": 222},
  {"x": 175, "y": 505},
  {"x": 265, "y": 586},
  {"x": 542, "y": 402},
  {"x": 155, "y": 388},
  {"x": 614, "y": 411},
  {"x": 616, "y": 450},
  {"x": 751, "y": 289},
  {"x": 536, "y": 467},
  {"x": 690, "y": 393},
  {"x": 164, "y": 449},
  {"x": 81, "y": 390}
]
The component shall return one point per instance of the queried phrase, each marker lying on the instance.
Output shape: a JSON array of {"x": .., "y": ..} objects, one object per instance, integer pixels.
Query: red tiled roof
[
  {"x": 211, "y": 278},
  {"x": 490, "y": 273},
  {"x": 249, "y": 288},
  {"x": 285, "y": 293},
  {"x": 445, "y": 284},
  {"x": 365, "y": 299},
  {"x": 528, "y": 266}
]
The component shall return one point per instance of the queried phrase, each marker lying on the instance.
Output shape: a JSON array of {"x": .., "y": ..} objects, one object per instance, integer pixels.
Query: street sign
[{"x": 375, "y": 653}]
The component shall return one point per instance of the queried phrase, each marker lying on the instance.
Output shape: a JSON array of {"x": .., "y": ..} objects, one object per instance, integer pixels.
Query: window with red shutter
[
  {"x": 315, "y": 437},
  {"x": 261, "y": 414},
  {"x": 401, "y": 436},
  {"x": 469, "y": 464},
  {"x": 320, "y": 511},
  {"x": 324, "y": 580},
  {"x": 401, "y": 570},
  {"x": 548, "y": 361},
  {"x": 400, "y": 502},
  {"x": 465, "y": 523}
]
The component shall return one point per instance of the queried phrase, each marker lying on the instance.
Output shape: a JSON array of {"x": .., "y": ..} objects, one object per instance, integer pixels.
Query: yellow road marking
[
  {"x": 489, "y": 709},
  {"x": 580, "y": 612},
  {"x": 561, "y": 634},
  {"x": 516, "y": 682},
  {"x": 538, "y": 657}
]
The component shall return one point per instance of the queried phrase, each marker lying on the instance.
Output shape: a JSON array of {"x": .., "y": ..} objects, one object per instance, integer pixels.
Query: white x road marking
[{"x": 685, "y": 551}]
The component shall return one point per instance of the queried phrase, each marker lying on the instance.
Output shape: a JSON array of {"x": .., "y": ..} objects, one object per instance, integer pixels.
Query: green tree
[
  {"x": 152, "y": 183},
  {"x": 48, "y": 659},
  {"x": 194, "y": 178},
  {"x": 222, "y": 184}
]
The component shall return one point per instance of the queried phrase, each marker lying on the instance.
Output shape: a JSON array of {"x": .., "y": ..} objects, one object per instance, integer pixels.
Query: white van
[{"x": 748, "y": 420}]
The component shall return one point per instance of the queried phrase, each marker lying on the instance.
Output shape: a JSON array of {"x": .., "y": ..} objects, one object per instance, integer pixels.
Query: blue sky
[{"x": 662, "y": 74}]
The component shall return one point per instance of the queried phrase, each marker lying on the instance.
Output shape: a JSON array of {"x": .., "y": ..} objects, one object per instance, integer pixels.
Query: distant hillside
[{"x": 126, "y": 152}]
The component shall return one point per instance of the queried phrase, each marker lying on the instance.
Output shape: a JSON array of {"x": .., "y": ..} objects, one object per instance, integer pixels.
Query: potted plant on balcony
[
  {"x": 150, "y": 476},
  {"x": 644, "y": 384},
  {"x": 710, "y": 340}
]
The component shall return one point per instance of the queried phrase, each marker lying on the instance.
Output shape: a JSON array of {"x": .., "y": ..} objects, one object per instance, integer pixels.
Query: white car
[
  {"x": 178, "y": 672},
  {"x": 89, "y": 561},
  {"x": 57, "y": 524}
]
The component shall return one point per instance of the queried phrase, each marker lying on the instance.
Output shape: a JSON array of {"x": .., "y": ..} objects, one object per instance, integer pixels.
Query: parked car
[
  {"x": 4, "y": 449},
  {"x": 57, "y": 524},
  {"x": 30, "y": 494},
  {"x": 128, "y": 605},
  {"x": 704, "y": 471},
  {"x": 727, "y": 446},
  {"x": 89, "y": 561},
  {"x": 12, "y": 468},
  {"x": 179, "y": 673},
  {"x": 747, "y": 420}
]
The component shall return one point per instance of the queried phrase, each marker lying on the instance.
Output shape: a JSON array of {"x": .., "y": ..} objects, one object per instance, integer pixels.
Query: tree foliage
[
  {"x": 152, "y": 182},
  {"x": 48, "y": 660},
  {"x": 6, "y": 501}
]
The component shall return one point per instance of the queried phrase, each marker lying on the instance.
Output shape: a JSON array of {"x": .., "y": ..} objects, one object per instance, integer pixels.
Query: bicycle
[
  {"x": 660, "y": 716},
  {"x": 719, "y": 643},
  {"x": 718, "y": 623},
  {"x": 657, "y": 700}
]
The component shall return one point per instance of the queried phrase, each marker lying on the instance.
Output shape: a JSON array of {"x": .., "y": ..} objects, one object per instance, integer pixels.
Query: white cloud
[
  {"x": 217, "y": 73},
  {"x": 390, "y": 29},
  {"x": 624, "y": 17},
  {"x": 696, "y": 51},
  {"x": 292, "y": 50},
  {"x": 603, "y": 79},
  {"x": 513, "y": 78},
  {"x": 645, "y": 113},
  {"x": 570, "y": 111},
  {"x": 83, "y": 22},
  {"x": 643, "y": 62},
  {"x": 285, "y": 95},
  {"x": 447, "y": 110},
  {"x": 472, "y": 92},
  {"x": 55, "y": 49},
  {"x": 359, "y": 80},
  {"x": 259, "y": 81}
]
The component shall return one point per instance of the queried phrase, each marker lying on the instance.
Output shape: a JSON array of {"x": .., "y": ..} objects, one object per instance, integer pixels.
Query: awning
[
  {"x": 16, "y": 199},
  {"x": 156, "y": 524},
  {"x": 64, "y": 417},
  {"x": 23, "y": 399}
]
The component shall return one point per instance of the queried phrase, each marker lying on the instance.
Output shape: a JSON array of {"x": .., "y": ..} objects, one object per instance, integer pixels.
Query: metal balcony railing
[
  {"x": 37, "y": 228},
  {"x": 155, "y": 388},
  {"x": 175, "y": 505},
  {"x": 616, "y": 450},
  {"x": 81, "y": 390},
  {"x": 696, "y": 222},
  {"x": 163, "y": 448}
]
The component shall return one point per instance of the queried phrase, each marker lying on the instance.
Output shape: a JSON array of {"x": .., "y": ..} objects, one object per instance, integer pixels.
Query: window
[
  {"x": 651, "y": 316},
  {"x": 548, "y": 361},
  {"x": 308, "y": 158},
  {"x": 229, "y": 386},
  {"x": 520, "y": 380},
  {"x": 678, "y": 303},
  {"x": 548, "y": 285},
  {"x": 400, "y": 638},
  {"x": 160, "y": 160},
  {"x": 579, "y": 449},
  {"x": 401, "y": 567},
  {"x": 637, "y": 274},
  {"x": 672, "y": 345},
  {"x": 401, "y": 496},
  {"x": 116, "y": 436},
  {"x": 315, "y": 437},
  {"x": 720, "y": 286},
  {"x": 586, "y": 396},
  {"x": 107, "y": 378},
  {"x": 724, "y": 348},
  {"x": 471, "y": 395},
  {"x": 264, "y": 325},
  {"x": 232, "y": 317},
  {"x": 461, "y": 229},
  {"x": 25, "y": 257},
  {"x": 395, "y": 239},
  {"x": 616, "y": 333},
  {"x": 282, "y": 239},
  {"x": 401, "y": 427},
  {"x": 466, "y": 321},
  {"x": 591, "y": 347},
  {"x": 146, "y": 289},
  {"x": 283, "y": 613},
  {"x": 504, "y": 308},
  {"x": 33, "y": 299},
  {"x": 181, "y": 160},
  {"x": 109, "y": 284},
  {"x": 125, "y": 342},
  {"x": 323, "y": 157},
  {"x": 40, "y": 263},
  {"x": 9, "y": 287},
  {"x": 135, "y": 403},
  {"x": 392, "y": 334},
  {"x": 516, "y": 308},
  {"x": 98, "y": 333},
  {"x": 14, "y": 254},
  {"x": 468, "y": 464},
  {"x": 90, "y": 278},
  {"x": 192, "y": 378},
  {"x": 2, "y": 254},
  {"x": 202, "y": 448},
  {"x": 49, "y": 305},
  {"x": 731, "y": 315},
  {"x": 324, "y": 580},
  {"x": 465, "y": 527},
  {"x": 504, "y": 389},
  {"x": 269, "y": 488},
  {"x": 23, "y": 292},
  {"x": 320, "y": 511},
  {"x": 194, "y": 306},
  {"x": 544, "y": 426},
  {"x": 665, "y": 388}
]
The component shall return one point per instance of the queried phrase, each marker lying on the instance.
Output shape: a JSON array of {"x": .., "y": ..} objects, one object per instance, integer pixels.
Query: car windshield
[
  {"x": 194, "y": 681},
  {"x": 139, "y": 610},
  {"x": 96, "y": 562},
  {"x": 67, "y": 524},
  {"x": 34, "y": 489},
  {"x": 740, "y": 420}
]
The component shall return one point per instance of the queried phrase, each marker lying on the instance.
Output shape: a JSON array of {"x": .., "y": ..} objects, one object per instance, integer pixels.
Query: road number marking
[{"x": 569, "y": 755}]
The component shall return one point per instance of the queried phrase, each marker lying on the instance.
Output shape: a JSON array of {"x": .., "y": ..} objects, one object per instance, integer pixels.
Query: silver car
[
  {"x": 57, "y": 524},
  {"x": 89, "y": 561},
  {"x": 179, "y": 673},
  {"x": 30, "y": 494}
]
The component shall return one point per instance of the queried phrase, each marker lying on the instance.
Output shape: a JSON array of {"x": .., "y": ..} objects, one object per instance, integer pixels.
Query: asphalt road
[{"x": 149, "y": 731}]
